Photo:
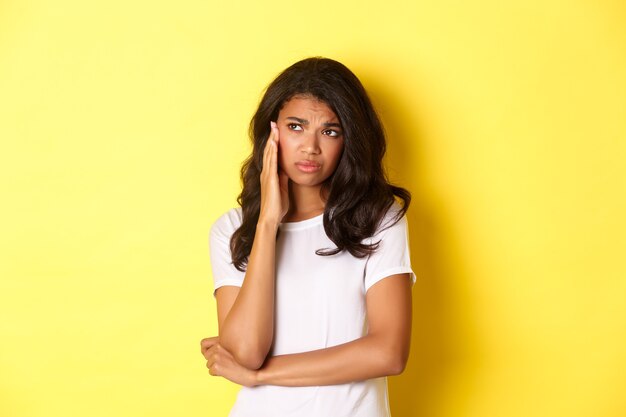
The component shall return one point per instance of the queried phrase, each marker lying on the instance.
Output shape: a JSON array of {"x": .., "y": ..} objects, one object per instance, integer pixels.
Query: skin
[{"x": 306, "y": 128}]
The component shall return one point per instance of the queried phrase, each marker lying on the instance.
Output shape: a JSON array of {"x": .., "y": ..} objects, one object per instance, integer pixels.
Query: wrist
[
  {"x": 264, "y": 225},
  {"x": 255, "y": 378}
]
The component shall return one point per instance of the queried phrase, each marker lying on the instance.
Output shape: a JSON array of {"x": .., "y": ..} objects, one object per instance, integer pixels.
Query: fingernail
[{"x": 273, "y": 124}]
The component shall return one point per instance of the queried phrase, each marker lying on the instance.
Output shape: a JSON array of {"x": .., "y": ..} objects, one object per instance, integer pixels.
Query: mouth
[{"x": 308, "y": 166}]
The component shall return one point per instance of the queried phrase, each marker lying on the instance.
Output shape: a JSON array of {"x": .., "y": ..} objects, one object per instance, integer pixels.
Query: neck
[{"x": 304, "y": 202}]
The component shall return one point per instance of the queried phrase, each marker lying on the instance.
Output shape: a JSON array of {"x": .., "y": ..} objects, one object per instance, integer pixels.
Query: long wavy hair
[{"x": 358, "y": 192}]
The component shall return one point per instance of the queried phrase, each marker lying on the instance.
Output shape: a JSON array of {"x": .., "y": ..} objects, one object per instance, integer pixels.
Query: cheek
[
  {"x": 286, "y": 146},
  {"x": 336, "y": 154}
]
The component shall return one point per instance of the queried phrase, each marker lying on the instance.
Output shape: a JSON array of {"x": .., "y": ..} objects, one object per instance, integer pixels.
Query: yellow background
[{"x": 123, "y": 126}]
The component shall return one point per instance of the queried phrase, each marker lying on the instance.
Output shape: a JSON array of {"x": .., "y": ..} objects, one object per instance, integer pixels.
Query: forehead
[{"x": 299, "y": 106}]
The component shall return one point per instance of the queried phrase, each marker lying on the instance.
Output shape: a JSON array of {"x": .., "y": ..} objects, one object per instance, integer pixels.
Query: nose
[{"x": 310, "y": 144}]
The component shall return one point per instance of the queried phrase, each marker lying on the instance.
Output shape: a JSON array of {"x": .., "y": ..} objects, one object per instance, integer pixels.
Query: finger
[
  {"x": 273, "y": 158},
  {"x": 213, "y": 365},
  {"x": 268, "y": 143},
  {"x": 214, "y": 371},
  {"x": 270, "y": 155},
  {"x": 207, "y": 343},
  {"x": 210, "y": 361},
  {"x": 268, "y": 147},
  {"x": 274, "y": 152},
  {"x": 276, "y": 133},
  {"x": 210, "y": 352}
]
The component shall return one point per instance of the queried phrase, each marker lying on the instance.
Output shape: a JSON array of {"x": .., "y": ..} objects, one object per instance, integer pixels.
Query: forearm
[
  {"x": 248, "y": 329},
  {"x": 383, "y": 351},
  {"x": 368, "y": 357}
]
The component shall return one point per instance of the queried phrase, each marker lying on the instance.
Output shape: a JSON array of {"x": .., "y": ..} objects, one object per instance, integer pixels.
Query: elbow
[
  {"x": 395, "y": 362},
  {"x": 396, "y": 365},
  {"x": 249, "y": 357},
  {"x": 250, "y": 354}
]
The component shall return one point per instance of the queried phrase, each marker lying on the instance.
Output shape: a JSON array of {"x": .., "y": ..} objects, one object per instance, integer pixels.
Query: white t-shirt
[{"x": 320, "y": 302}]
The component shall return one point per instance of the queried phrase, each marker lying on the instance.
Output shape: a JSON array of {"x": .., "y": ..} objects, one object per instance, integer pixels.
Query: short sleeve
[
  {"x": 393, "y": 255},
  {"x": 224, "y": 272}
]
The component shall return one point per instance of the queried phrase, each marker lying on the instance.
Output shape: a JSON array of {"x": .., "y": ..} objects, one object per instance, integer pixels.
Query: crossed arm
[{"x": 382, "y": 351}]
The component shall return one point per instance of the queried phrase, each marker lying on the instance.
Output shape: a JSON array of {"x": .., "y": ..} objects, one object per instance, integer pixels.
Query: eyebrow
[{"x": 306, "y": 122}]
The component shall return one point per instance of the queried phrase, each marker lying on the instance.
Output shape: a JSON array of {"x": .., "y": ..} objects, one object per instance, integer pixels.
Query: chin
[{"x": 307, "y": 183}]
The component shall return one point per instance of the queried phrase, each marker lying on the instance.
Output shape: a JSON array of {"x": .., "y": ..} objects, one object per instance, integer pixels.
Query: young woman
[{"x": 312, "y": 273}]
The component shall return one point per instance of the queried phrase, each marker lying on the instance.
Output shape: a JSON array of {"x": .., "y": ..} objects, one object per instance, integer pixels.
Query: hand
[
  {"x": 274, "y": 182},
  {"x": 221, "y": 363}
]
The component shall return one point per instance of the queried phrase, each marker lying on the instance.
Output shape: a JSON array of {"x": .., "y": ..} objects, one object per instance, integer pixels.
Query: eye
[
  {"x": 294, "y": 126},
  {"x": 331, "y": 132}
]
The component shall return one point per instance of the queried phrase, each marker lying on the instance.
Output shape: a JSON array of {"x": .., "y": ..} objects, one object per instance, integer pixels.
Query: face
[{"x": 311, "y": 141}]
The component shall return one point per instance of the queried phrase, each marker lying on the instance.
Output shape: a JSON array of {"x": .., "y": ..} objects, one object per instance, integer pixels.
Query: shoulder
[
  {"x": 390, "y": 224},
  {"x": 391, "y": 219},
  {"x": 226, "y": 224}
]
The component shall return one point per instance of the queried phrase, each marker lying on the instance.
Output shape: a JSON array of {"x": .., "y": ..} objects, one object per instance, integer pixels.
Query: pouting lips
[{"x": 307, "y": 166}]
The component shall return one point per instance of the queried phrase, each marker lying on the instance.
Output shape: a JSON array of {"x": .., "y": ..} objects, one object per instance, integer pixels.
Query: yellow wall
[{"x": 123, "y": 126}]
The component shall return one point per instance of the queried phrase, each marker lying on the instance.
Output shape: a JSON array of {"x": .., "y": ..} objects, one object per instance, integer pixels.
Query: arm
[
  {"x": 383, "y": 351},
  {"x": 246, "y": 315}
]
